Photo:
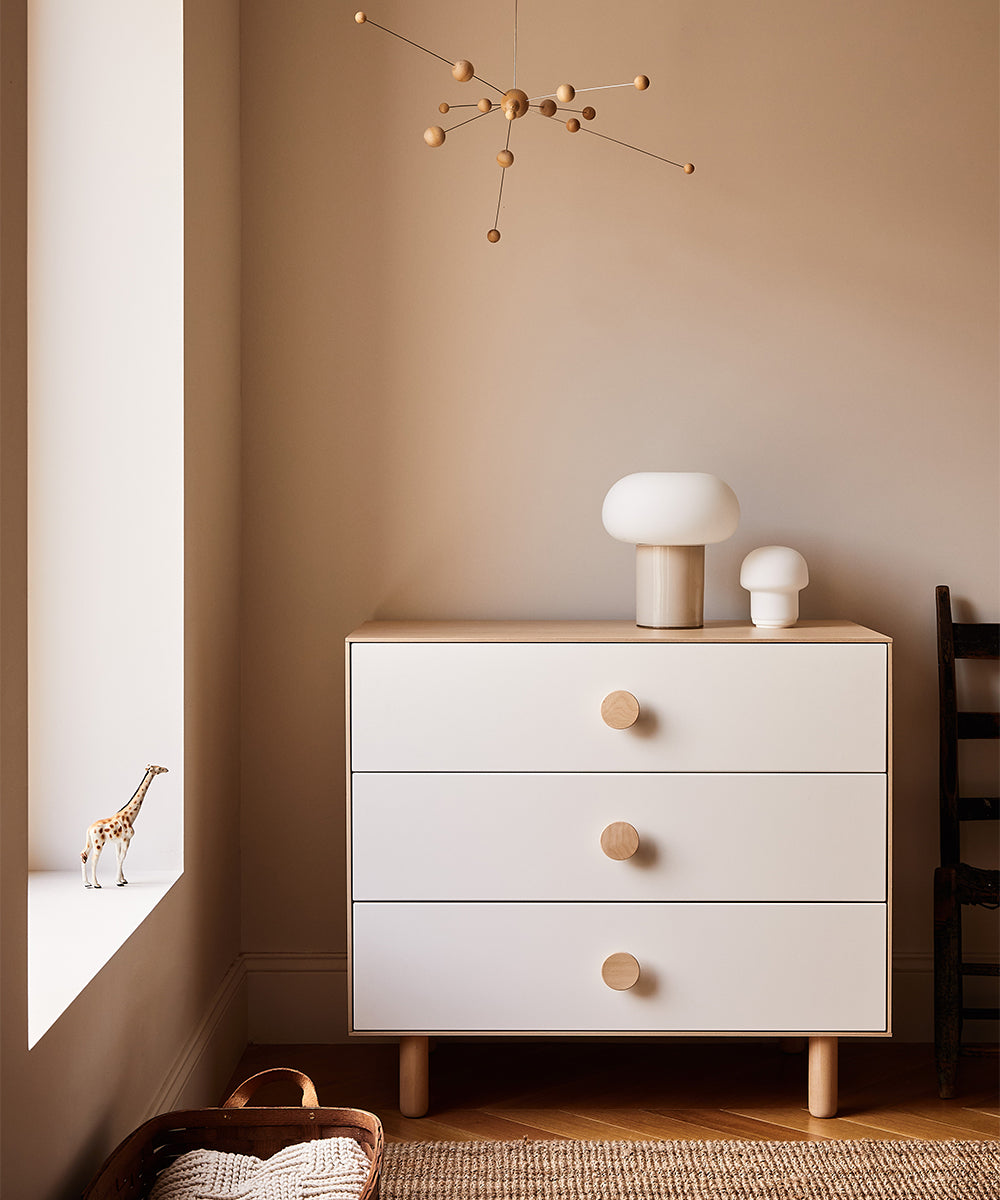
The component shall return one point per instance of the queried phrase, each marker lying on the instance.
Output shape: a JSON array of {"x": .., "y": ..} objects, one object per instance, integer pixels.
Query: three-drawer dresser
[{"x": 587, "y": 828}]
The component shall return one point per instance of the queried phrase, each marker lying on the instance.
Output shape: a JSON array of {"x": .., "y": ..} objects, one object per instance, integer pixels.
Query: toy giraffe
[{"x": 117, "y": 829}]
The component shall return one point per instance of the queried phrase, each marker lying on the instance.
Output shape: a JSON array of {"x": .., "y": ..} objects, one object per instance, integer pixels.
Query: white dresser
[{"x": 587, "y": 827}]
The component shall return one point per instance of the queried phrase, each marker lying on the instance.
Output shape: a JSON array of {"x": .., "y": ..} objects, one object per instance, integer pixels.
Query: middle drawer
[{"x": 539, "y": 837}]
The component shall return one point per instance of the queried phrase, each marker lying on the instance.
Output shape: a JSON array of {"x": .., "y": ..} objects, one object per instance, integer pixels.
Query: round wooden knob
[
  {"x": 620, "y": 710},
  {"x": 620, "y": 971},
  {"x": 620, "y": 840},
  {"x": 463, "y": 70}
]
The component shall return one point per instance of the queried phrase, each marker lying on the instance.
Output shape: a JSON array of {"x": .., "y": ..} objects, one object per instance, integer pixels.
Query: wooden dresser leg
[
  {"x": 413, "y": 1076},
  {"x": 823, "y": 1076}
]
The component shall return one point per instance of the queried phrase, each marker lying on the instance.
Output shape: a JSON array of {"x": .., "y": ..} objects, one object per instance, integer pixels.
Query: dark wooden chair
[{"x": 957, "y": 884}]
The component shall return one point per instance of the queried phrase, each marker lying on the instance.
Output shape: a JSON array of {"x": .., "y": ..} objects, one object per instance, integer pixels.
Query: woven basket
[{"x": 131, "y": 1170}]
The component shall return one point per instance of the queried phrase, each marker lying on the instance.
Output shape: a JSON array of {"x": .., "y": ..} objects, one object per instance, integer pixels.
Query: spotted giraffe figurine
[{"x": 117, "y": 829}]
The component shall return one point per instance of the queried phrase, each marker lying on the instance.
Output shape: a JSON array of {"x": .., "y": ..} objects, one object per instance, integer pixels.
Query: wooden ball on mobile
[{"x": 514, "y": 104}]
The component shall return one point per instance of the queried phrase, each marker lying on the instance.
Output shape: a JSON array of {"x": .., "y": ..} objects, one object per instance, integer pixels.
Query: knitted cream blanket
[{"x": 323, "y": 1169}]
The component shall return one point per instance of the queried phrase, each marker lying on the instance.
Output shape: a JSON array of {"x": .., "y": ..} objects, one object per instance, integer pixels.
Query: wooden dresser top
[{"x": 607, "y": 631}]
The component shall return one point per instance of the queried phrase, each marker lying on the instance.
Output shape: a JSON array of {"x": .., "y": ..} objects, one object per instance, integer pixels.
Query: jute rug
[{"x": 715, "y": 1170}]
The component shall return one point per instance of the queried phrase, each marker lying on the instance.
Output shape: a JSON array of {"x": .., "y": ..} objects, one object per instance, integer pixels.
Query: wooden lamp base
[{"x": 670, "y": 587}]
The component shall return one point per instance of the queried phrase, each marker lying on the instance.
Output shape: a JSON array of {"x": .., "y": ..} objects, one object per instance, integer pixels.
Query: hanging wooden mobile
[{"x": 515, "y": 103}]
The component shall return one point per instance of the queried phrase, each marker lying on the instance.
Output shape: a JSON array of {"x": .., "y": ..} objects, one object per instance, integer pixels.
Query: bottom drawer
[{"x": 707, "y": 968}]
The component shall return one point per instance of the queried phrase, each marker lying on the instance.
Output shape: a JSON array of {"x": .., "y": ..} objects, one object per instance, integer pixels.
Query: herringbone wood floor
[{"x": 644, "y": 1090}]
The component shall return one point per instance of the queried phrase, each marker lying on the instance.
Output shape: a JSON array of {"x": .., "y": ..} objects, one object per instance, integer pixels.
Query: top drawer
[{"x": 424, "y": 706}]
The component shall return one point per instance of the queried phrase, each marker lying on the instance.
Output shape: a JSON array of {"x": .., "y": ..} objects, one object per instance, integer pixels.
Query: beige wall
[
  {"x": 431, "y": 422},
  {"x": 64, "y": 1105}
]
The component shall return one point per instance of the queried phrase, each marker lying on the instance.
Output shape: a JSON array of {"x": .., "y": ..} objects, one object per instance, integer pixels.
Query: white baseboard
[
  {"x": 206, "y": 1061},
  {"x": 296, "y": 997},
  {"x": 913, "y": 998},
  {"x": 263, "y": 997}
]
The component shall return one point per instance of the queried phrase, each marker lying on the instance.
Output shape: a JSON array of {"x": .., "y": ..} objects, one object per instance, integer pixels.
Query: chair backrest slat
[
  {"x": 977, "y": 641},
  {"x": 978, "y": 725},
  {"x": 978, "y": 808}
]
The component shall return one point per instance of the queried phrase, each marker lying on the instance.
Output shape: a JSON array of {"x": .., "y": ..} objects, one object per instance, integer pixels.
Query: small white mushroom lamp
[
  {"x": 670, "y": 516},
  {"x": 774, "y": 576}
]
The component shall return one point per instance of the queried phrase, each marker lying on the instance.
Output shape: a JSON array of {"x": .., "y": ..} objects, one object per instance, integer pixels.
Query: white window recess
[{"x": 106, "y": 472}]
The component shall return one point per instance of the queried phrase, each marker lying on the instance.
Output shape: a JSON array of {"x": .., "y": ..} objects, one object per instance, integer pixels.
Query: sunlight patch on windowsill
[{"x": 73, "y": 931}]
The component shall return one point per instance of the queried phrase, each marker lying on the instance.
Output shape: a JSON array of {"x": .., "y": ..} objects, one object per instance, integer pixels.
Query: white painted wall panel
[{"x": 106, "y": 423}]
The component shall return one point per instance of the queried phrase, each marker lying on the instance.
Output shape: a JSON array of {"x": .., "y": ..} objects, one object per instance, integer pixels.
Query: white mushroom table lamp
[
  {"x": 774, "y": 576},
  {"x": 670, "y": 517}
]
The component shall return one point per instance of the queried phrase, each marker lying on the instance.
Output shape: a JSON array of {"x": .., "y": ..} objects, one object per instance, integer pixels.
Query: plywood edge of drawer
[
  {"x": 349, "y": 837},
  {"x": 889, "y": 861},
  {"x": 837, "y": 631}
]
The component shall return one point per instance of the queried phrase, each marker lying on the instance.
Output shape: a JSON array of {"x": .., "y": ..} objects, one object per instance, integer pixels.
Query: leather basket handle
[{"x": 247, "y": 1088}]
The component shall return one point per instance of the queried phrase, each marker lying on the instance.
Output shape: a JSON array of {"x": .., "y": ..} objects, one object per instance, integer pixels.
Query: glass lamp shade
[
  {"x": 670, "y": 516},
  {"x": 671, "y": 508},
  {"x": 774, "y": 576}
]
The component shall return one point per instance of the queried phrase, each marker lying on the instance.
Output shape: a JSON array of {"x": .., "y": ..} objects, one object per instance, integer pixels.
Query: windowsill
[{"x": 74, "y": 931}]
